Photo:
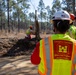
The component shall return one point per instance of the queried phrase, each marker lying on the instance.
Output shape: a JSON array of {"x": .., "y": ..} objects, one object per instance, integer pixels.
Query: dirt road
[{"x": 19, "y": 65}]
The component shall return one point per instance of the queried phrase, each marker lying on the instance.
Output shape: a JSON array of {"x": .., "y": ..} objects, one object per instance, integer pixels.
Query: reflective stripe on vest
[
  {"x": 42, "y": 66},
  {"x": 74, "y": 60},
  {"x": 47, "y": 49},
  {"x": 48, "y": 57}
]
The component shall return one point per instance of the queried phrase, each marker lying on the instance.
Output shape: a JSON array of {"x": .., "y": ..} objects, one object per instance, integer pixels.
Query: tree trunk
[
  {"x": 8, "y": 15},
  {"x": 37, "y": 27},
  {"x": 73, "y": 6},
  {"x": 18, "y": 22}
]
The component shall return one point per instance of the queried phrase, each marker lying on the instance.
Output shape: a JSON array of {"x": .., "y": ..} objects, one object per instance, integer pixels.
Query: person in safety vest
[
  {"x": 56, "y": 55},
  {"x": 72, "y": 31},
  {"x": 29, "y": 31}
]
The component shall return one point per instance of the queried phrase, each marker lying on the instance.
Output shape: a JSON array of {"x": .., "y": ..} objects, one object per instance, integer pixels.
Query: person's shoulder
[
  {"x": 72, "y": 39},
  {"x": 46, "y": 38},
  {"x": 38, "y": 44},
  {"x": 74, "y": 26},
  {"x": 28, "y": 29}
]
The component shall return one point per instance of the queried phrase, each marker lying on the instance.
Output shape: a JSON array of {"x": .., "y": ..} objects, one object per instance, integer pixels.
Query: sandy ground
[
  {"x": 20, "y": 65},
  {"x": 21, "y": 35}
]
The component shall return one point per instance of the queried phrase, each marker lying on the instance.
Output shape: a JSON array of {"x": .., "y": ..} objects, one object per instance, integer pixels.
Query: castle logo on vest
[{"x": 62, "y": 49}]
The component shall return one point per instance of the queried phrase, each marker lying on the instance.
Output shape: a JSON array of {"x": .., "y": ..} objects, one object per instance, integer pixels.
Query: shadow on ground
[
  {"x": 21, "y": 47},
  {"x": 15, "y": 59},
  {"x": 20, "y": 65}
]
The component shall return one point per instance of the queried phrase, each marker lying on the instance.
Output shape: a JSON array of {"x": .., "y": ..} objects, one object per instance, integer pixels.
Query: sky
[{"x": 34, "y": 4}]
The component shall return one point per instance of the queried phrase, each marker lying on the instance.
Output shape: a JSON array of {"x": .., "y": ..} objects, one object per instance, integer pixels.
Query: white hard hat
[{"x": 61, "y": 15}]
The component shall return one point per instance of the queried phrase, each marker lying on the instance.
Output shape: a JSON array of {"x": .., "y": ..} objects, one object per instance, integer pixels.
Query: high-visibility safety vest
[
  {"x": 58, "y": 55},
  {"x": 72, "y": 32},
  {"x": 28, "y": 31}
]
